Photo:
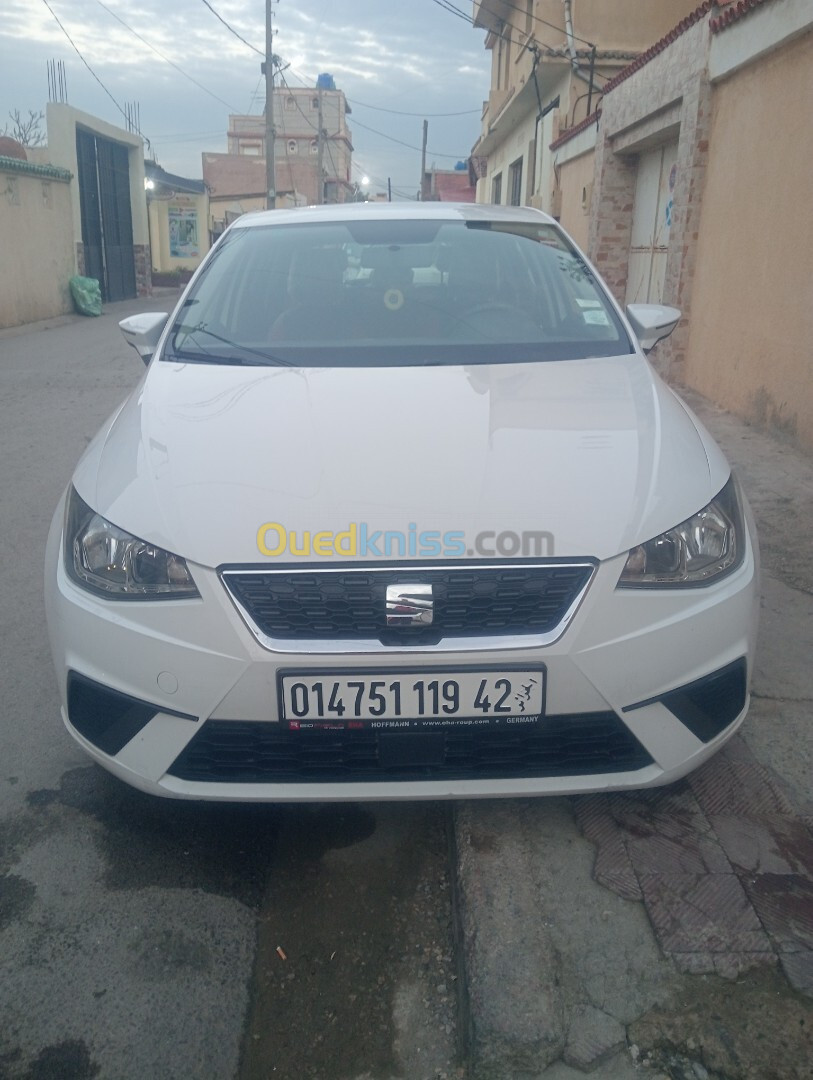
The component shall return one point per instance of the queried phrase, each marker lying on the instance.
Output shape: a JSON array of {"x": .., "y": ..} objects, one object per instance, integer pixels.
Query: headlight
[
  {"x": 112, "y": 563},
  {"x": 700, "y": 550}
]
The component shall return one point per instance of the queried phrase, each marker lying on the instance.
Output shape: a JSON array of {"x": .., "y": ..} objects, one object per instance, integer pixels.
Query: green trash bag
[{"x": 87, "y": 296}]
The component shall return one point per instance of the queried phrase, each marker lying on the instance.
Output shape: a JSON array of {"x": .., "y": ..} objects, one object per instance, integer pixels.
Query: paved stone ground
[
  {"x": 721, "y": 862},
  {"x": 666, "y": 933}
]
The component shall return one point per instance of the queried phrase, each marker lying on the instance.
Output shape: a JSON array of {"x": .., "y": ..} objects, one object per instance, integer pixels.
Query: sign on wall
[{"x": 183, "y": 232}]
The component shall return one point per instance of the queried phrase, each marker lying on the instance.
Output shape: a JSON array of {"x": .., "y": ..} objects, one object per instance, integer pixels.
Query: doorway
[{"x": 107, "y": 223}]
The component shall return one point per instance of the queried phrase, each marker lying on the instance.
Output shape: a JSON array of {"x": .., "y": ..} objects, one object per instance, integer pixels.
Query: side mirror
[
  {"x": 652, "y": 322},
  {"x": 144, "y": 331}
]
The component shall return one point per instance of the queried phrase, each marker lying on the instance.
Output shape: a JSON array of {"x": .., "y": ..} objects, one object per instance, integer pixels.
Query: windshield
[{"x": 395, "y": 292}]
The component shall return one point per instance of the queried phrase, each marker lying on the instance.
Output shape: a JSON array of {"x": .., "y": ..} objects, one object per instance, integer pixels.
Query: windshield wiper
[{"x": 265, "y": 358}]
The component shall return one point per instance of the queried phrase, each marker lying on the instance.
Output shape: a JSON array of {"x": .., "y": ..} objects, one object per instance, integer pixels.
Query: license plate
[{"x": 400, "y": 700}]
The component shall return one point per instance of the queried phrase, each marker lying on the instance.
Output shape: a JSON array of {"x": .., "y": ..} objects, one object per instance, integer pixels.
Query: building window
[
  {"x": 290, "y": 103},
  {"x": 292, "y": 146},
  {"x": 496, "y": 189},
  {"x": 515, "y": 180},
  {"x": 315, "y": 104},
  {"x": 314, "y": 146}
]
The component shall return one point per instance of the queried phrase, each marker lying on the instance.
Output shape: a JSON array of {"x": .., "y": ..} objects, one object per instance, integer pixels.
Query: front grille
[
  {"x": 242, "y": 752},
  {"x": 469, "y": 600}
]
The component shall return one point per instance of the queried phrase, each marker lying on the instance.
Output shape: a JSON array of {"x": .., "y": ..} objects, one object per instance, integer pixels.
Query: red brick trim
[
  {"x": 577, "y": 129},
  {"x": 733, "y": 13},
  {"x": 659, "y": 46}
]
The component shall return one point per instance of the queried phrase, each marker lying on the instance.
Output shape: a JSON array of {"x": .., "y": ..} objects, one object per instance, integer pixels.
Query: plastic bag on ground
[{"x": 87, "y": 295}]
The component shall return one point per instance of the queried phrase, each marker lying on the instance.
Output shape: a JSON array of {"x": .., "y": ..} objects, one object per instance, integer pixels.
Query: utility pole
[
  {"x": 270, "y": 130},
  {"x": 320, "y": 155},
  {"x": 423, "y": 159},
  {"x": 389, "y": 189}
]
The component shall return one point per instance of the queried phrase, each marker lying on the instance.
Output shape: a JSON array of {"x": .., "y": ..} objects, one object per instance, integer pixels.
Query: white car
[{"x": 400, "y": 510}]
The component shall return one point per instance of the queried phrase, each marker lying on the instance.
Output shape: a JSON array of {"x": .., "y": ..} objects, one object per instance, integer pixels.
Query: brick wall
[
  {"x": 667, "y": 98},
  {"x": 143, "y": 269}
]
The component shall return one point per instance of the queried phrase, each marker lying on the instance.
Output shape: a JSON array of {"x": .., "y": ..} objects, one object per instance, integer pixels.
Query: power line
[
  {"x": 90, "y": 69},
  {"x": 329, "y": 149},
  {"x": 166, "y": 59},
  {"x": 254, "y": 95},
  {"x": 383, "y": 134},
  {"x": 397, "y": 112},
  {"x": 230, "y": 28},
  {"x": 184, "y": 134},
  {"x": 185, "y": 138},
  {"x": 358, "y": 123},
  {"x": 449, "y": 6},
  {"x": 380, "y": 180},
  {"x": 446, "y": 5},
  {"x": 307, "y": 119}
]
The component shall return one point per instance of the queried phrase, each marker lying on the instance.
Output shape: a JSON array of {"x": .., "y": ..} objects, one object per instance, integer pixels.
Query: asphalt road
[{"x": 144, "y": 938}]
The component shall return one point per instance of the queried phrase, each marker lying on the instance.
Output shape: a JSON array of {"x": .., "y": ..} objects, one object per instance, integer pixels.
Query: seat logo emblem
[{"x": 410, "y": 605}]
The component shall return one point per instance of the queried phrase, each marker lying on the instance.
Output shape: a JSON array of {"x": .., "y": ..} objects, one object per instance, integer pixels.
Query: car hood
[{"x": 597, "y": 453}]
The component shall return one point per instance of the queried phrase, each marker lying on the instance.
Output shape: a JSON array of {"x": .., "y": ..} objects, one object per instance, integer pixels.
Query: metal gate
[
  {"x": 651, "y": 224},
  {"x": 107, "y": 224}
]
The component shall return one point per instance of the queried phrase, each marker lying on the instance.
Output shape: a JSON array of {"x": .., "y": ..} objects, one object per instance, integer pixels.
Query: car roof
[{"x": 400, "y": 211}]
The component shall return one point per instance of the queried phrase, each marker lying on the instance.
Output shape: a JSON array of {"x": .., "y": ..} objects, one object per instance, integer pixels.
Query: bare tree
[{"x": 27, "y": 132}]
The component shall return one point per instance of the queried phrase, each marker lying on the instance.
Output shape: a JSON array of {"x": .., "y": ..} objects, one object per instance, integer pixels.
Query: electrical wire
[
  {"x": 230, "y": 28},
  {"x": 315, "y": 128},
  {"x": 288, "y": 163},
  {"x": 397, "y": 112},
  {"x": 254, "y": 95},
  {"x": 304, "y": 82},
  {"x": 515, "y": 7},
  {"x": 409, "y": 146},
  {"x": 329, "y": 149},
  {"x": 166, "y": 59},
  {"x": 189, "y": 136},
  {"x": 358, "y": 123},
  {"x": 306, "y": 118},
  {"x": 310, "y": 124},
  {"x": 381, "y": 181},
  {"x": 446, "y": 5},
  {"x": 92, "y": 72}
]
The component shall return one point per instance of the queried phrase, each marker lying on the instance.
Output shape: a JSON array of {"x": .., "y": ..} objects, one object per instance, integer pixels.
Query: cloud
[{"x": 411, "y": 58}]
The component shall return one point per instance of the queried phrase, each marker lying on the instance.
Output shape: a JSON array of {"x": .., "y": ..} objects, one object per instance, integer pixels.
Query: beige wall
[
  {"x": 246, "y": 205},
  {"x": 576, "y": 181},
  {"x": 159, "y": 210},
  {"x": 36, "y": 249},
  {"x": 613, "y": 24},
  {"x": 619, "y": 24},
  {"x": 751, "y": 331}
]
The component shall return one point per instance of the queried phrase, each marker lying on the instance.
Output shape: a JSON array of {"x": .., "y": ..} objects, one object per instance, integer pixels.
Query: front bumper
[{"x": 198, "y": 675}]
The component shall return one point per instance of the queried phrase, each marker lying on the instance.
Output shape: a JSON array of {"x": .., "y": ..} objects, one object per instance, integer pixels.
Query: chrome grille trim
[{"x": 352, "y": 646}]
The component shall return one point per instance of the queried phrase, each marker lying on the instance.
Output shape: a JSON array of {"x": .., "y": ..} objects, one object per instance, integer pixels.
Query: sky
[{"x": 412, "y": 57}]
